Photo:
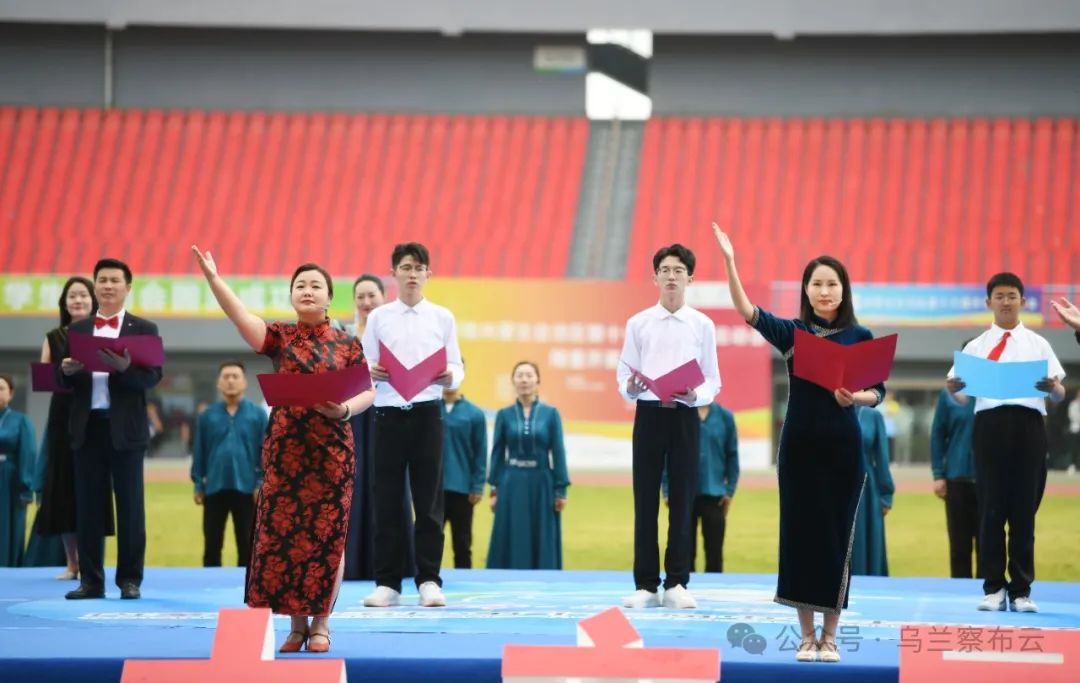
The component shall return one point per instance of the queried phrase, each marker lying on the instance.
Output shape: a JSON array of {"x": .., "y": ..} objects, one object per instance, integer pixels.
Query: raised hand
[
  {"x": 206, "y": 262},
  {"x": 955, "y": 385},
  {"x": 1068, "y": 312},
  {"x": 724, "y": 241}
]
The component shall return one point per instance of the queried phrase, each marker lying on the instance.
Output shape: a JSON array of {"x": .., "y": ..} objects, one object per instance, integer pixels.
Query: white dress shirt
[
  {"x": 99, "y": 396},
  {"x": 658, "y": 341},
  {"x": 1023, "y": 345},
  {"x": 412, "y": 333}
]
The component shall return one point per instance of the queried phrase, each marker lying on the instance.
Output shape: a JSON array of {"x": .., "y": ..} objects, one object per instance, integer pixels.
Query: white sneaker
[
  {"x": 1024, "y": 604},
  {"x": 677, "y": 597},
  {"x": 993, "y": 602},
  {"x": 641, "y": 598},
  {"x": 431, "y": 595},
  {"x": 383, "y": 596}
]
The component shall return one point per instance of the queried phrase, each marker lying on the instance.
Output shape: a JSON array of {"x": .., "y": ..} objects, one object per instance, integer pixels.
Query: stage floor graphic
[{"x": 47, "y": 638}]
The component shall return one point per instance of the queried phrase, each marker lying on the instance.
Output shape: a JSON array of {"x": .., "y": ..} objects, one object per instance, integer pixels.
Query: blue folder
[{"x": 999, "y": 380}]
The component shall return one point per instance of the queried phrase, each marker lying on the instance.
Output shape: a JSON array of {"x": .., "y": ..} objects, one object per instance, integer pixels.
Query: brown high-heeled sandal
[
  {"x": 290, "y": 645},
  {"x": 312, "y": 646}
]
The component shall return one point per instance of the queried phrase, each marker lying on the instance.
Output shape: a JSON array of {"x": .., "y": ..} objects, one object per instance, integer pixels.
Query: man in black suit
[{"x": 109, "y": 434}]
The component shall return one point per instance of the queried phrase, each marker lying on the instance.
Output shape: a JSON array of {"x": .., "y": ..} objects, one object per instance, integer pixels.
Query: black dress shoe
[
  {"x": 84, "y": 592},
  {"x": 129, "y": 590}
]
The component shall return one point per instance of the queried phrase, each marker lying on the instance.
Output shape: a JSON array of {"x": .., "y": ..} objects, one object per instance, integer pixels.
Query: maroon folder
[
  {"x": 409, "y": 382},
  {"x": 834, "y": 366},
  {"x": 43, "y": 378},
  {"x": 147, "y": 350},
  {"x": 303, "y": 390},
  {"x": 680, "y": 380}
]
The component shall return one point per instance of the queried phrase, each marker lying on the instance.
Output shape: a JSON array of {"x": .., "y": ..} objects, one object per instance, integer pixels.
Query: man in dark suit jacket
[{"x": 109, "y": 434}]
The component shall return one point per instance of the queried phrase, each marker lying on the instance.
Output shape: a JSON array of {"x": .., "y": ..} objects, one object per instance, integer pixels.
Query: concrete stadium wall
[
  {"x": 867, "y": 76},
  {"x": 1012, "y": 75}
]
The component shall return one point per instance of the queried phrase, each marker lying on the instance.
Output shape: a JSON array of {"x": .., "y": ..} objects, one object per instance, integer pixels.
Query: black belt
[
  {"x": 393, "y": 410},
  {"x": 660, "y": 404}
]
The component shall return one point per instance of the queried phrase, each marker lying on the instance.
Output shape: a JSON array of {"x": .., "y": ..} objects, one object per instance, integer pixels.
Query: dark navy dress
[{"x": 821, "y": 474}]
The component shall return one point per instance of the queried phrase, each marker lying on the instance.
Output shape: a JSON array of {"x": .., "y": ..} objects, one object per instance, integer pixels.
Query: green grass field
[{"x": 598, "y": 529}]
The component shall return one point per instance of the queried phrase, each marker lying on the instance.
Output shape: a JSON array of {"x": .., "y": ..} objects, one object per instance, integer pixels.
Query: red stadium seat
[
  {"x": 491, "y": 196},
  {"x": 938, "y": 200}
]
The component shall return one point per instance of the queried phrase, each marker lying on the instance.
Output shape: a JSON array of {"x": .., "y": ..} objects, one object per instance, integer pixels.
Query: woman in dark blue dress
[{"x": 819, "y": 463}]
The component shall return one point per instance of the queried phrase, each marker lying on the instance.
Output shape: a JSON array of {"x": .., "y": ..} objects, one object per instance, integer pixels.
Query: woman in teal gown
[
  {"x": 528, "y": 478},
  {"x": 17, "y": 460},
  {"x": 868, "y": 557}
]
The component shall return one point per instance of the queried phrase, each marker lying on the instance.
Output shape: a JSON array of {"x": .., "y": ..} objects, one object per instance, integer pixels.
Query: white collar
[
  {"x": 682, "y": 314},
  {"x": 999, "y": 331}
]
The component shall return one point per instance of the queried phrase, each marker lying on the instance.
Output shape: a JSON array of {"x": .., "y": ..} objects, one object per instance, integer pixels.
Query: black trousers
[
  {"x": 100, "y": 470},
  {"x": 707, "y": 510},
  {"x": 1010, "y": 475},
  {"x": 459, "y": 514},
  {"x": 664, "y": 435},
  {"x": 216, "y": 510},
  {"x": 408, "y": 439},
  {"x": 962, "y": 521}
]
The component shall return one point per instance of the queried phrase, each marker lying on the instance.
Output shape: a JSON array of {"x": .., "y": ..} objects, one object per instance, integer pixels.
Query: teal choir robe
[
  {"x": 868, "y": 556},
  {"x": 528, "y": 472},
  {"x": 951, "y": 454},
  {"x": 17, "y": 460},
  {"x": 227, "y": 454},
  {"x": 464, "y": 448}
]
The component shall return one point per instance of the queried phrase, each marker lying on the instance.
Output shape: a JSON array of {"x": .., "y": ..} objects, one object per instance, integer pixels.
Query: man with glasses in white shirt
[
  {"x": 658, "y": 340},
  {"x": 409, "y": 434}
]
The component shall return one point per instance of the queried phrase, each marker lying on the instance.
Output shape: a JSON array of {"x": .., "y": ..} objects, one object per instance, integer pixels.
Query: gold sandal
[
  {"x": 808, "y": 650},
  {"x": 827, "y": 651}
]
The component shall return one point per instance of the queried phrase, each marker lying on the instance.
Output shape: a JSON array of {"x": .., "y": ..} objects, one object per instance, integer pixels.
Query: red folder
[
  {"x": 409, "y": 382},
  {"x": 834, "y": 366},
  {"x": 303, "y": 390},
  {"x": 43, "y": 378},
  {"x": 680, "y": 380},
  {"x": 147, "y": 350}
]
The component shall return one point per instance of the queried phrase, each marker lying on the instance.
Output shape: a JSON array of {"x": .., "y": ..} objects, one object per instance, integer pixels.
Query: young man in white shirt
[
  {"x": 658, "y": 340},
  {"x": 1009, "y": 440},
  {"x": 410, "y": 433}
]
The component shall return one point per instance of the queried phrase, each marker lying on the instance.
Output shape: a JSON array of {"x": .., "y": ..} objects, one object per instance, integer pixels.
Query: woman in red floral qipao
[{"x": 303, "y": 507}]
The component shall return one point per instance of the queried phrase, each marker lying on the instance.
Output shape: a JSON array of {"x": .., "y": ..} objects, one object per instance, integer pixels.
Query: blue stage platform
[{"x": 46, "y": 638}]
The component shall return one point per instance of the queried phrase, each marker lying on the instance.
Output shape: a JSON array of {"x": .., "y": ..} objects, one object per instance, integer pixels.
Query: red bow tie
[{"x": 112, "y": 322}]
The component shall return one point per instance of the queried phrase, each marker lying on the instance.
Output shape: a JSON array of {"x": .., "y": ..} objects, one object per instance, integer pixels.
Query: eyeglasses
[
  {"x": 409, "y": 268},
  {"x": 678, "y": 270}
]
